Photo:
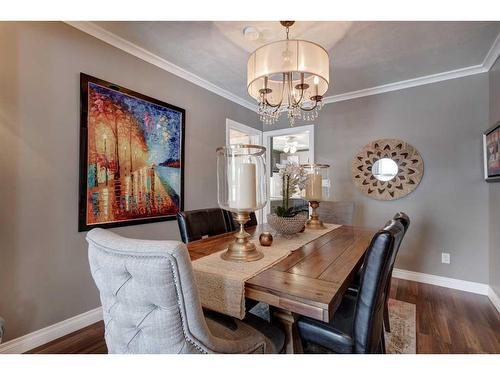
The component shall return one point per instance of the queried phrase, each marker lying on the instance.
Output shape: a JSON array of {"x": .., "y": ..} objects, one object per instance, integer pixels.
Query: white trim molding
[
  {"x": 492, "y": 54},
  {"x": 447, "y": 282},
  {"x": 42, "y": 336},
  {"x": 290, "y": 131},
  {"x": 143, "y": 54},
  {"x": 495, "y": 300},
  {"x": 414, "y": 82},
  {"x": 484, "y": 67},
  {"x": 129, "y": 47},
  {"x": 266, "y": 142},
  {"x": 231, "y": 124}
]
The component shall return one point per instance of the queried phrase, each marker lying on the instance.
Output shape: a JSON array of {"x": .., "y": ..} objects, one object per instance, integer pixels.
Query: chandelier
[{"x": 288, "y": 76}]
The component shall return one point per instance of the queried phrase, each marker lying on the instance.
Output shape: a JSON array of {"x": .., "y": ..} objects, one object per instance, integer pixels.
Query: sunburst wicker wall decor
[{"x": 410, "y": 169}]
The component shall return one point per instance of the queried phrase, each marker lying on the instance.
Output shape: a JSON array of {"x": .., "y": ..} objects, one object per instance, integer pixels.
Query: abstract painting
[
  {"x": 491, "y": 146},
  {"x": 131, "y": 157}
]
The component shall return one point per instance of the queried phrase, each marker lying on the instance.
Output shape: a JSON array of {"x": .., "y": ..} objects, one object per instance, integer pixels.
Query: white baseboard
[
  {"x": 34, "y": 339},
  {"x": 447, "y": 282},
  {"x": 495, "y": 300}
]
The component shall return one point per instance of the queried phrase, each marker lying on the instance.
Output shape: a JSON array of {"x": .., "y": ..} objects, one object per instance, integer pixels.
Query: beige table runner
[{"x": 221, "y": 284}]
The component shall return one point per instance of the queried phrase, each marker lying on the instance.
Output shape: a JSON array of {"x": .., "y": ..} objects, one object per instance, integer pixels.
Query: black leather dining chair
[
  {"x": 196, "y": 224},
  {"x": 357, "y": 325},
  {"x": 353, "y": 288}
]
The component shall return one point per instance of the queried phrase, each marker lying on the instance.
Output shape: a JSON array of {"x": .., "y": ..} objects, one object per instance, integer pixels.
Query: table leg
[{"x": 288, "y": 321}]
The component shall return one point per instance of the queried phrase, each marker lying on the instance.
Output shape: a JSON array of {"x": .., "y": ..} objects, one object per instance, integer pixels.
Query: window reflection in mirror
[{"x": 385, "y": 169}]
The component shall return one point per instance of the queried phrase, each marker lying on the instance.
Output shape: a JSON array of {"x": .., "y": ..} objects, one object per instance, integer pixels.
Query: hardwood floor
[
  {"x": 88, "y": 340},
  {"x": 448, "y": 321}
]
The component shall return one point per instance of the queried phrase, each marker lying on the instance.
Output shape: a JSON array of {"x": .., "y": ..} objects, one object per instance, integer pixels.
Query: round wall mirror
[{"x": 385, "y": 169}]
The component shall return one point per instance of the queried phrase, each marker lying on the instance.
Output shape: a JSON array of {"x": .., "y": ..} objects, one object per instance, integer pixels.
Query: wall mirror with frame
[{"x": 387, "y": 169}]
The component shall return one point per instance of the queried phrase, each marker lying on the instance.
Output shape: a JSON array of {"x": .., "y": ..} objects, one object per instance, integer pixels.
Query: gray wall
[
  {"x": 449, "y": 209},
  {"x": 44, "y": 274},
  {"x": 494, "y": 188}
]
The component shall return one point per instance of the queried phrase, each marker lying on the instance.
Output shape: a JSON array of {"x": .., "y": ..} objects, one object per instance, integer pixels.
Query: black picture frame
[
  {"x": 488, "y": 175},
  {"x": 85, "y": 79}
]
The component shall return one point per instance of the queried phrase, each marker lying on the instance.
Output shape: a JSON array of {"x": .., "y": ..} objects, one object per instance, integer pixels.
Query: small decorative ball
[
  {"x": 303, "y": 229},
  {"x": 266, "y": 239}
]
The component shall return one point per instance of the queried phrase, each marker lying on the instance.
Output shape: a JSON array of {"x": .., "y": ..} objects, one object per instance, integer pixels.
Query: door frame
[
  {"x": 231, "y": 124},
  {"x": 266, "y": 142}
]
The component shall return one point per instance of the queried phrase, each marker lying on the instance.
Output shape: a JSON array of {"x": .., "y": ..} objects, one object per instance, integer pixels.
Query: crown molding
[
  {"x": 484, "y": 67},
  {"x": 143, "y": 54},
  {"x": 400, "y": 85},
  {"x": 492, "y": 54},
  {"x": 129, "y": 47}
]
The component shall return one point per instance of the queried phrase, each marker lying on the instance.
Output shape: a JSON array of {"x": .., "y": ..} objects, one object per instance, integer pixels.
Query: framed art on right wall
[{"x": 491, "y": 150}]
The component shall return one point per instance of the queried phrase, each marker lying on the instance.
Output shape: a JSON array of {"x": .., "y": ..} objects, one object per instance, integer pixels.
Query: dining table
[{"x": 310, "y": 281}]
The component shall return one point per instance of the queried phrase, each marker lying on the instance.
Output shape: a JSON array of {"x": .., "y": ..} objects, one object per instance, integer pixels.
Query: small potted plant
[{"x": 285, "y": 219}]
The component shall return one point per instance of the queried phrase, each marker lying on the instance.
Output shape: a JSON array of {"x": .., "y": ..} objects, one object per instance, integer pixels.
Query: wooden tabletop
[{"x": 311, "y": 280}]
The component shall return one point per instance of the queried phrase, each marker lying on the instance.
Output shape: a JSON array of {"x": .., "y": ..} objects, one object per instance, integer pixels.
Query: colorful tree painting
[{"x": 133, "y": 157}]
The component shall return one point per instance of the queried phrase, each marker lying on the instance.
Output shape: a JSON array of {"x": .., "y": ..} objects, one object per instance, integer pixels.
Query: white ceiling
[{"x": 362, "y": 54}]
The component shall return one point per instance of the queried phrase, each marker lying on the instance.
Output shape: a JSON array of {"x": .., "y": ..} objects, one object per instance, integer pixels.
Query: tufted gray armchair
[{"x": 150, "y": 302}]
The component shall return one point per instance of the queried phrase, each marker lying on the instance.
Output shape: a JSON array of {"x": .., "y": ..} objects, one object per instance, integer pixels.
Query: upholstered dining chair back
[
  {"x": 368, "y": 319},
  {"x": 336, "y": 212},
  {"x": 403, "y": 219},
  {"x": 195, "y": 224},
  {"x": 149, "y": 298}
]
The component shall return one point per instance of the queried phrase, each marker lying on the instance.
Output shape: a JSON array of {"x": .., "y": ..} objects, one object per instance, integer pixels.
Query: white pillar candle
[
  {"x": 314, "y": 187},
  {"x": 242, "y": 186}
]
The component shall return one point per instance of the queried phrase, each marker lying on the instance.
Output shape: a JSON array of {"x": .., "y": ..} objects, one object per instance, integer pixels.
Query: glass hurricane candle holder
[
  {"x": 317, "y": 189},
  {"x": 242, "y": 189}
]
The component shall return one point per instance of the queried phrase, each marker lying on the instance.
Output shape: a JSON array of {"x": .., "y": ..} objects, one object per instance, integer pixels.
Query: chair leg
[
  {"x": 382, "y": 343},
  {"x": 387, "y": 323}
]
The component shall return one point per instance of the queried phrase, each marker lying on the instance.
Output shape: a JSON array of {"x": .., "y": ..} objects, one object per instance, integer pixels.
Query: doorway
[{"x": 291, "y": 145}]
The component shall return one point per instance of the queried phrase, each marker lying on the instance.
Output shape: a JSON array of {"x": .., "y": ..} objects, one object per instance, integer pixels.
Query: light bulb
[{"x": 316, "y": 80}]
